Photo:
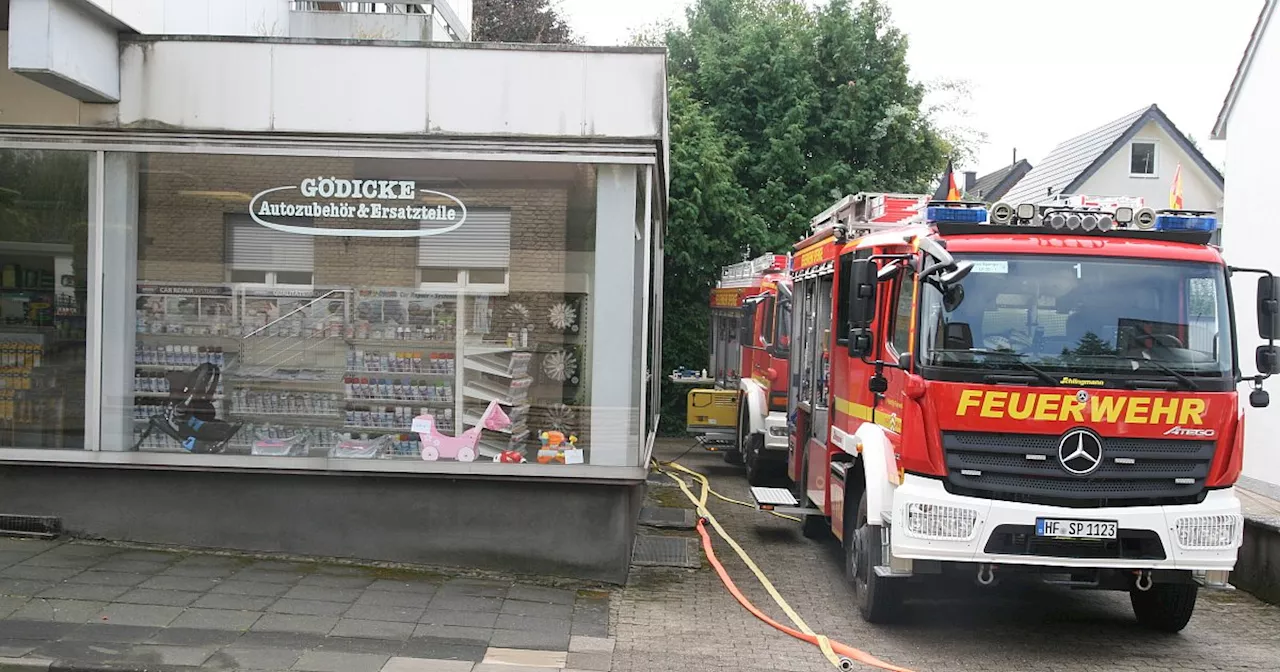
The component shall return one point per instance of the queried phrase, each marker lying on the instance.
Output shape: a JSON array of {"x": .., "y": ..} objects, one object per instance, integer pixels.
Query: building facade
[
  {"x": 1246, "y": 124},
  {"x": 1136, "y": 155},
  {"x": 382, "y": 299}
]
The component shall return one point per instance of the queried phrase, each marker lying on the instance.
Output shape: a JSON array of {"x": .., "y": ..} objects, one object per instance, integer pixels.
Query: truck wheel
[
  {"x": 1166, "y": 607},
  {"x": 879, "y": 599},
  {"x": 753, "y": 454}
]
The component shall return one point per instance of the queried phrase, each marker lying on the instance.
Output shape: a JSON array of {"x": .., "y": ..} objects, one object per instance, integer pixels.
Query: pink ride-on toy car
[{"x": 462, "y": 448}]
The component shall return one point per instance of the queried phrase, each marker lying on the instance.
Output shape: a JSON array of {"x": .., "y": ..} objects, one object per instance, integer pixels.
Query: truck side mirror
[
  {"x": 1267, "y": 359},
  {"x": 863, "y": 278},
  {"x": 1269, "y": 307},
  {"x": 746, "y": 324}
]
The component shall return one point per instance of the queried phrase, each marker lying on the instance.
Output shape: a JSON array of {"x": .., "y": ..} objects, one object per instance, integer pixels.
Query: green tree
[
  {"x": 525, "y": 21},
  {"x": 777, "y": 110},
  {"x": 711, "y": 222}
]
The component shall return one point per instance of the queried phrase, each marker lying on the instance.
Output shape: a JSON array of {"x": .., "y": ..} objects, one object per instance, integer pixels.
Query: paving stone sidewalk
[{"x": 81, "y": 606}]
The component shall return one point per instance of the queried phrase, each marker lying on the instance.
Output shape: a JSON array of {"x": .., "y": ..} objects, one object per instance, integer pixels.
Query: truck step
[
  {"x": 773, "y": 497},
  {"x": 780, "y": 500}
]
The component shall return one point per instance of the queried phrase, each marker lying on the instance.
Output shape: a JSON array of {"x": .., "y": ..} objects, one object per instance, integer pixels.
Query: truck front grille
[{"x": 1025, "y": 468}]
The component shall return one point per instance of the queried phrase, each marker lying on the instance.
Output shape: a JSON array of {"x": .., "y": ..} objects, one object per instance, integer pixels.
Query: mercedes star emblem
[{"x": 1080, "y": 452}]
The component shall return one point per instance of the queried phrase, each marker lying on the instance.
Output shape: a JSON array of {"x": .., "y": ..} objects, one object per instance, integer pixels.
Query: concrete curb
[
  {"x": 25, "y": 665},
  {"x": 1258, "y": 565},
  {"x": 44, "y": 665}
]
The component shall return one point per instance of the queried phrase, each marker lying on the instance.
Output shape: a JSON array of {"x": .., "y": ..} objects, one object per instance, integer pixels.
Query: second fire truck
[
  {"x": 750, "y": 344},
  {"x": 1031, "y": 391}
]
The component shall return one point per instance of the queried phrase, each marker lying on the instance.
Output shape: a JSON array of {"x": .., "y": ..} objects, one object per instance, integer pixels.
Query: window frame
[
  {"x": 768, "y": 320},
  {"x": 1155, "y": 158},
  {"x": 463, "y": 282},
  {"x": 271, "y": 280},
  {"x": 906, "y": 282}
]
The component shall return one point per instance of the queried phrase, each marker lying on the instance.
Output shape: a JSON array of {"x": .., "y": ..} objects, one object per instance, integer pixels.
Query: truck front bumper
[
  {"x": 776, "y": 432},
  {"x": 930, "y": 523}
]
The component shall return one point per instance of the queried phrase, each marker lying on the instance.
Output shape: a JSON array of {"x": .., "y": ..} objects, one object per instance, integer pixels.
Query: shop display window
[
  {"x": 44, "y": 289},
  {"x": 381, "y": 309}
]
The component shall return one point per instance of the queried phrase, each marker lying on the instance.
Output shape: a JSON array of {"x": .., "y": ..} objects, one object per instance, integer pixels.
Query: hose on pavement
[{"x": 839, "y": 655}]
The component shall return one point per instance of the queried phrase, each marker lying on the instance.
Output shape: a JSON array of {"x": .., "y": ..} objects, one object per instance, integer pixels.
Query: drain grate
[
  {"x": 657, "y": 551},
  {"x": 45, "y": 527},
  {"x": 667, "y": 516}
]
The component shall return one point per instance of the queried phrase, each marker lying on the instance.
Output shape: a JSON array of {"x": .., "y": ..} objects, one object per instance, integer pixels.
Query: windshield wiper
[
  {"x": 1185, "y": 381},
  {"x": 1017, "y": 358}
]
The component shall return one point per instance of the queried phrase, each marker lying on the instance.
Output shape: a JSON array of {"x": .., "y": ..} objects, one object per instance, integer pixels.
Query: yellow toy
[{"x": 553, "y": 446}]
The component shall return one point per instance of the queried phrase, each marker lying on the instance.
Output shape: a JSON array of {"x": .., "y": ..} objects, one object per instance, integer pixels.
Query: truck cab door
[{"x": 897, "y": 345}]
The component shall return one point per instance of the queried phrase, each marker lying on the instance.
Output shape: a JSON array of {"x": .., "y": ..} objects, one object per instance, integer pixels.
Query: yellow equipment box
[{"x": 711, "y": 410}]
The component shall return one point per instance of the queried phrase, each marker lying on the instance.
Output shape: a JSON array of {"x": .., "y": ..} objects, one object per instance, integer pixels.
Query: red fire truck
[
  {"x": 1027, "y": 392},
  {"x": 750, "y": 343}
]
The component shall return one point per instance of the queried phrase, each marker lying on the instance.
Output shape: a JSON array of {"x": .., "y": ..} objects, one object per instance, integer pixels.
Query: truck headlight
[
  {"x": 931, "y": 521},
  {"x": 779, "y": 430},
  {"x": 1219, "y": 531}
]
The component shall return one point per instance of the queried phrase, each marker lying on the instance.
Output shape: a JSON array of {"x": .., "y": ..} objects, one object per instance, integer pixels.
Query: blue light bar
[
  {"x": 1185, "y": 223},
  {"x": 939, "y": 213}
]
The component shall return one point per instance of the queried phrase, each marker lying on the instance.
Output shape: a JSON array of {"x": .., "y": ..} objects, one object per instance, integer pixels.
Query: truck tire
[
  {"x": 1167, "y": 607},
  {"x": 879, "y": 599},
  {"x": 758, "y": 471}
]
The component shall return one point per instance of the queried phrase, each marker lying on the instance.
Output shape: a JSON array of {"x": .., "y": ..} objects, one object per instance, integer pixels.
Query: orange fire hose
[{"x": 841, "y": 649}]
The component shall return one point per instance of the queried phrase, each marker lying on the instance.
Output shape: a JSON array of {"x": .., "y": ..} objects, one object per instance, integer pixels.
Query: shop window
[
  {"x": 327, "y": 345},
  {"x": 44, "y": 291}
]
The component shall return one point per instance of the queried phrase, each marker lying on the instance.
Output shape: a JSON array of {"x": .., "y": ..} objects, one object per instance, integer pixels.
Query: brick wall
[{"x": 185, "y": 200}]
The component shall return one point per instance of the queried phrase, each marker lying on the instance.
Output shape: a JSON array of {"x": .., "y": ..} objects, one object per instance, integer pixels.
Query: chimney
[
  {"x": 970, "y": 179},
  {"x": 1015, "y": 156}
]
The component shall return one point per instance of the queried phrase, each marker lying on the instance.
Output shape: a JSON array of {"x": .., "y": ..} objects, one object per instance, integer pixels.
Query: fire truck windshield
[{"x": 1115, "y": 318}]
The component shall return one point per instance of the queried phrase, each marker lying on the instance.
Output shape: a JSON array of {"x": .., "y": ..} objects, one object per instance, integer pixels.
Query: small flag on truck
[{"x": 947, "y": 189}]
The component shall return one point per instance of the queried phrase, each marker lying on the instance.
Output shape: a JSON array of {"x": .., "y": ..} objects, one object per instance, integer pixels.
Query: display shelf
[
  {"x": 490, "y": 445},
  {"x": 241, "y": 377},
  {"x": 402, "y": 374},
  {"x": 227, "y": 342},
  {"x": 515, "y": 394},
  {"x": 489, "y": 348},
  {"x": 165, "y": 367},
  {"x": 292, "y": 419},
  {"x": 439, "y": 403},
  {"x": 439, "y": 346},
  {"x": 508, "y": 364},
  {"x": 375, "y": 430},
  {"x": 166, "y": 395}
]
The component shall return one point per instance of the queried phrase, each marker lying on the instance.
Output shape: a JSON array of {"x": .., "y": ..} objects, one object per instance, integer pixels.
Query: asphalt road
[{"x": 682, "y": 620}]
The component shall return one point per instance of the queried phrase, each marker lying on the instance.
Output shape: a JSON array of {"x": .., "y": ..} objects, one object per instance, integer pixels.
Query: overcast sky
[{"x": 1040, "y": 72}]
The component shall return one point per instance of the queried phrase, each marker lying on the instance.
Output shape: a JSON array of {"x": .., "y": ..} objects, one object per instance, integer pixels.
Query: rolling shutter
[
  {"x": 253, "y": 247},
  {"x": 483, "y": 241}
]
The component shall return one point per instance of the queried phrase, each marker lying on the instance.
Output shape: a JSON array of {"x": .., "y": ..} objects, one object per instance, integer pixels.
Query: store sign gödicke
[{"x": 340, "y": 198}]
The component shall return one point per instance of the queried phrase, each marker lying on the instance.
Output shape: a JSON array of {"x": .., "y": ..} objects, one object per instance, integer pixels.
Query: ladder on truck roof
[{"x": 851, "y": 213}]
